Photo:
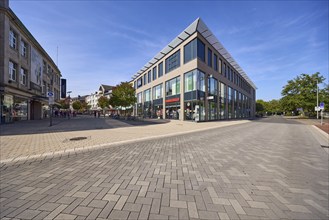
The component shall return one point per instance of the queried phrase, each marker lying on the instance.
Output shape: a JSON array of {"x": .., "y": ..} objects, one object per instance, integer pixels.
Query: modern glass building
[{"x": 194, "y": 78}]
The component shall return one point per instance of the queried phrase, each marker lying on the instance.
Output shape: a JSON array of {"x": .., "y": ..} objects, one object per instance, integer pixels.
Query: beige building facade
[
  {"x": 194, "y": 78},
  {"x": 28, "y": 74}
]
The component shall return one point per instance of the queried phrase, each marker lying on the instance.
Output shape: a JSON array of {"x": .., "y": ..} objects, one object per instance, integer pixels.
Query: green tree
[
  {"x": 77, "y": 105},
  {"x": 301, "y": 93},
  {"x": 103, "y": 102},
  {"x": 123, "y": 95},
  {"x": 64, "y": 103},
  {"x": 260, "y": 106}
]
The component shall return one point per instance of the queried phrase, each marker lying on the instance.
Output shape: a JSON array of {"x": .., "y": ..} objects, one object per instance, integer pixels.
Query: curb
[{"x": 322, "y": 132}]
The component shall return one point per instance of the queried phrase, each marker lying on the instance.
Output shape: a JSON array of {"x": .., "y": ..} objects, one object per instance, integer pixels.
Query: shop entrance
[{"x": 194, "y": 110}]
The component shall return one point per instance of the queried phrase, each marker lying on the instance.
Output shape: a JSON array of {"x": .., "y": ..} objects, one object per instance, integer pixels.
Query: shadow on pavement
[{"x": 79, "y": 123}]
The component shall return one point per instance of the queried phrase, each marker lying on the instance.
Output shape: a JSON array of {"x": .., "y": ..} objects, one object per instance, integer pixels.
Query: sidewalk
[{"x": 35, "y": 139}]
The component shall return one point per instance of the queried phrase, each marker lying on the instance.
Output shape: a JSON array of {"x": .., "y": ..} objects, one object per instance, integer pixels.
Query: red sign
[{"x": 172, "y": 100}]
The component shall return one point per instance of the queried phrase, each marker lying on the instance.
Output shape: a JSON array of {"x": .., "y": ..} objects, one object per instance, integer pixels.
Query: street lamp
[
  {"x": 317, "y": 99},
  {"x": 69, "y": 92}
]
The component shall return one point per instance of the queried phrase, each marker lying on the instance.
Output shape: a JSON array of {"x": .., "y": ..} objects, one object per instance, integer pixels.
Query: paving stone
[
  {"x": 48, "y": 207},
  {"x": 28, "y": 214},
  {"x": 65, "y": 216},
  {"x": 82, "y": 210},
  {"x": 170, "y": 211},
  {"x": 208, "y": 215},
  {"x": 116, "y": 214},
  {"x": 131, "y": 207}
]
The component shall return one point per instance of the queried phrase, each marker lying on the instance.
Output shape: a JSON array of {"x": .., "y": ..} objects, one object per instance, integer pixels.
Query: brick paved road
[{"x": 266, "y": 169}]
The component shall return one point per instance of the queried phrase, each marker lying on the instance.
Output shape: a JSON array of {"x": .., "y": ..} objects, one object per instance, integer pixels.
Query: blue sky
[{"x": 106, "y": 42}]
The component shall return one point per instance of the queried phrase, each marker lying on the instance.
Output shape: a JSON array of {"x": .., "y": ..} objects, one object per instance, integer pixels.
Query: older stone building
[{"x": 28, "y": 73}]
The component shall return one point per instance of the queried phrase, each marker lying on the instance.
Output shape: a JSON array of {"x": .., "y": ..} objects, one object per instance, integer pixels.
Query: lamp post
[
  {"x": 69, "y": 92},
  {"x": 317, "y": 99}
]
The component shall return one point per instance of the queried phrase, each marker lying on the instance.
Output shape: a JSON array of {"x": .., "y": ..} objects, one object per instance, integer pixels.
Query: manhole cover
[{"x": 78, "y": 138}]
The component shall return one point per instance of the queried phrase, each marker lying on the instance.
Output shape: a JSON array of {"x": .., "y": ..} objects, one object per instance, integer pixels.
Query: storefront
[
  {"x": 173, "y": 107},
  {"x": 147, "y": 110},
  {"x": 194, "y": 110},
  {"x": 157, "y": 110},
  {"x": 13, "y": 108}
]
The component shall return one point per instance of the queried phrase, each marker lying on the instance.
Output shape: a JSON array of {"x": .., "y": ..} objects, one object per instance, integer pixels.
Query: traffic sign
[
  {"x": 317, "y": 109},
  {"x": 322, "y": 105},
  {"x": 50, "y": 94},
  {"x": 51, "y": 100}
]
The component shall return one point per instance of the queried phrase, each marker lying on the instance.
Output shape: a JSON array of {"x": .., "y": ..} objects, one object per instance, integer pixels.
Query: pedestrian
[{"x": 95, "y": 114}]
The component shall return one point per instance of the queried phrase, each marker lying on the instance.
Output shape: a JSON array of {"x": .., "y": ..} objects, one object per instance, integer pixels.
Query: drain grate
[
  {"x": 77, "y": 138},
  {"x": 325, "y": 146}
]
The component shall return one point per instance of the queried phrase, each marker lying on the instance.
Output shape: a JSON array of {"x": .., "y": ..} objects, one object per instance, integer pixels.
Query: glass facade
[
  {"x": 190, "y": 51},
  {"x": 173, "y": 62},
  {"x": 173, "y": 86},
  {"x": 154, "y": 72},
  {"x": 209, "y": 57},
  {"x": 160, "y": 69},
  {"x": 215, "y": 62},
  {"x": 212, "y": 98},
  {"x": 157, "y": 92}
]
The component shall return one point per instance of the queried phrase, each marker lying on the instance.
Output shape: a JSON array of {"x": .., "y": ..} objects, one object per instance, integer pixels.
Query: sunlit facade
[
  {"x": 27, "y": 72},
  {"x": 194, "y": 78}
]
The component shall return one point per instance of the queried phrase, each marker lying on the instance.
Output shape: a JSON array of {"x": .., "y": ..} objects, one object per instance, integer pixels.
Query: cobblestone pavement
[
  {"x": 35, "y": 139},
  {"x": 266, "y": 169}
]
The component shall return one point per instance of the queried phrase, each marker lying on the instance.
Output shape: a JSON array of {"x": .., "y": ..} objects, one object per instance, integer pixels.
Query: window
[
  {"x": 190, "y": 50},
  {"x": 147, "y": 95},
  {"x": 139, "y": 82},
  {"x": 173, "y": 62},
  {"x": 209, "y": 57},
  {"x": 154, "y": 73},
  {"x": 12, "y": 70},
  {"x": 149, "y": 79},
  {"x": 23, "y": 48},
  {"x": 157, "y": 92},
  {"x": 23, "y": 76},
  {"x": 225, "y": 70},
  {"x": 201, "y": 81},
  {"x": 12, "y": 39},
  {"x": 160, "y": 69},
  {"x": 201, "y": 51},
  {"x": 145, "y": 79},
  {"x": 215, "y": 62},
  {"x": 212, "y": 86},
  {"x": 139, "y": 97},
  {"x": 173, "y": 86},
  {"x": 220, "y": 66},
  {"x": 196, "y": 48},
  {"x": 190, "y": 81}
]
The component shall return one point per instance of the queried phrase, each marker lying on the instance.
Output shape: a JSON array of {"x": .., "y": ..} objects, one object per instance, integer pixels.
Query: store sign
[{"x": 172, "y": 100}]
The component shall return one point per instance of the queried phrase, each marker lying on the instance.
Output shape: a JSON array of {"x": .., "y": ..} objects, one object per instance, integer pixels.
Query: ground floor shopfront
[
  {"x": 195, "y": 96},
  {"x": 197, "y": 108},
  {"x": 17, "y": 107}
]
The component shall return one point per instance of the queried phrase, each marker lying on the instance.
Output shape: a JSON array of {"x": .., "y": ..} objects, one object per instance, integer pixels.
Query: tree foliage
[
  {"x": 64, "y": 103},
  {"x": 301, "y": 93},
  {"x": 123, "y": 95},
  {"x": 77, "y": 105},
  {"x": 103, "y": 102}
]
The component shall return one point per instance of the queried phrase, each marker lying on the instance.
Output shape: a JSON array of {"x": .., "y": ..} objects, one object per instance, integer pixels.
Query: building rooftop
[{"x": 197, "y": 26}]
